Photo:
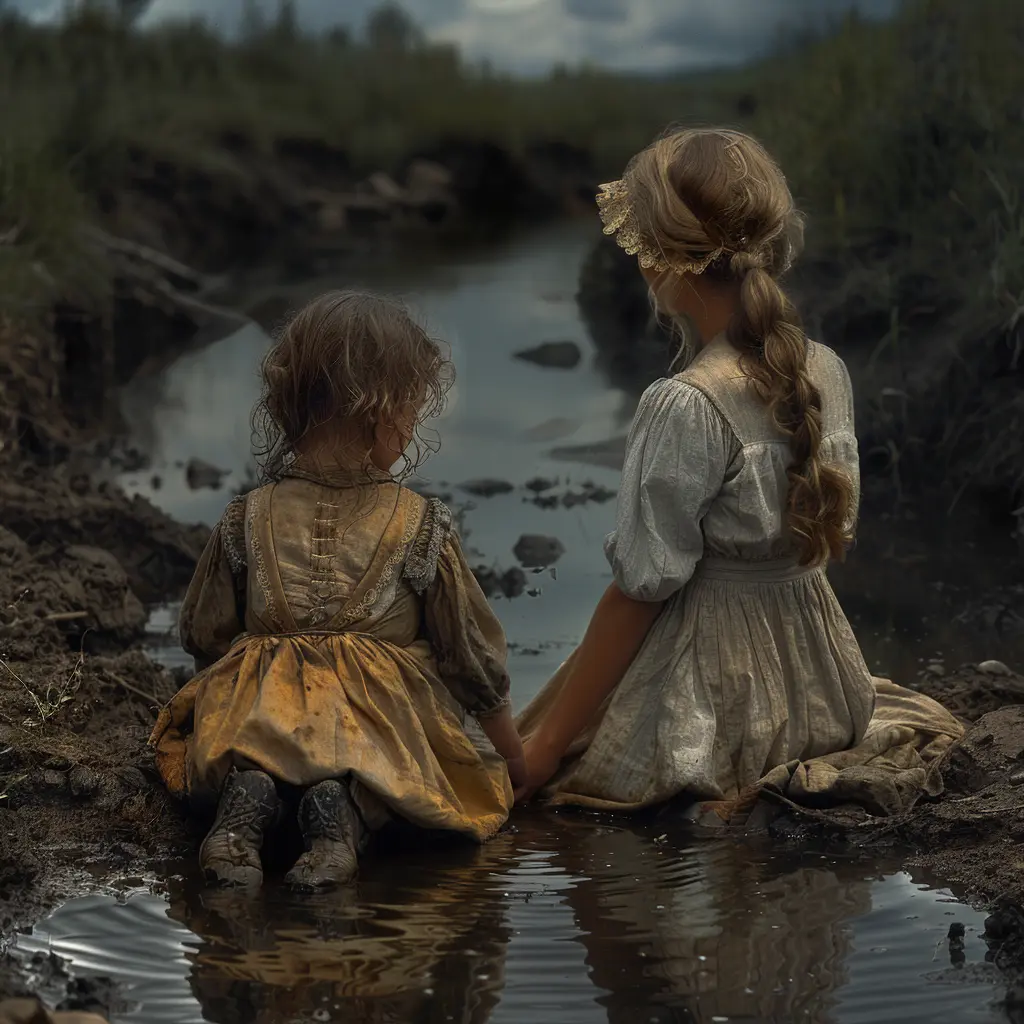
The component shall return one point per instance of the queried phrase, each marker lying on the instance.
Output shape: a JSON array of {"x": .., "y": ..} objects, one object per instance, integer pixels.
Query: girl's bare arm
[{"x": 613, "y": 639}]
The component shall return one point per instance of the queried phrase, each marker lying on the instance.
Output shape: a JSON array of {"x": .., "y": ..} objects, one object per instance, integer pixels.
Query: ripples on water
[{"x": 565, "y": 919}]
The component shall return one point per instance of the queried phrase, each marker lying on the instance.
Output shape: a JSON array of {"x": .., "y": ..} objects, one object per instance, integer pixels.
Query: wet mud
[
  {"x": 78, "y": 696},
  {"x": 972, "y": 835}
]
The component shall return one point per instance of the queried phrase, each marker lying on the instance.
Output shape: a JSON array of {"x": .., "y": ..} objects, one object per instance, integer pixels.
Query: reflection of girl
[
  {"x": 720, "y": 651},
  {"x": 432, "y": 948},
  {"x": 698, "y": 932},
  {"x": 339, "y": 635}
]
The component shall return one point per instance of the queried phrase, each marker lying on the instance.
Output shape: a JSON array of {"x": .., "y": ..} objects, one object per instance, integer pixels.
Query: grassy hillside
[{"x": 905, "y": 141}]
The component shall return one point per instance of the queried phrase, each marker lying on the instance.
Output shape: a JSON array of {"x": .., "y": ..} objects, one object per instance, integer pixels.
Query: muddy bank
[
  {"x": 971, "y": 836},
  {"x": 300, "y": 206},
  {"x": 78, "y": 793},
  {"x": 78, "y": 561}
]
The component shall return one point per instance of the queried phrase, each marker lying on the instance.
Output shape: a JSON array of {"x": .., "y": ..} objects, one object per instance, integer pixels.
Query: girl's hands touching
[
  {"x": 517, "y": 775},
  {"x": 501, "y": 731},
  {"x": 541, "y": 763}
]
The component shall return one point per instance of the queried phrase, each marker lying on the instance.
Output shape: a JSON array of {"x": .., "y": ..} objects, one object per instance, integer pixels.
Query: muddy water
[{"x": 564, "y": 919}]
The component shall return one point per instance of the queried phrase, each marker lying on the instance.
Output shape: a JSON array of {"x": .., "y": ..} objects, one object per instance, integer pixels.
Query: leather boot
[
  {"x": 230, "y": 854},
  {"x": 334, "y": 835}
]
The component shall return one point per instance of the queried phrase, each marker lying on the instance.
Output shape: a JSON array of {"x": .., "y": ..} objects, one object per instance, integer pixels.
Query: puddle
[{"x": 564, "y": 920}]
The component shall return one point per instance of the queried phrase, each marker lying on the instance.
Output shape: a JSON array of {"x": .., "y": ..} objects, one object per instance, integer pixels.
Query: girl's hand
[
  {"x": 517, "y": 775},
  {"x": 541, "y": 764}
]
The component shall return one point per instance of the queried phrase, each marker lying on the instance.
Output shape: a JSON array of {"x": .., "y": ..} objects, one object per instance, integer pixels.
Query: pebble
[
  {"x": 537, "y": 551},
  {"x": 994, "y": 668},
  {"x": 555, "y": 355},
  {"x": 83, "y": 781},
  {"x": 53, "y": 779}
]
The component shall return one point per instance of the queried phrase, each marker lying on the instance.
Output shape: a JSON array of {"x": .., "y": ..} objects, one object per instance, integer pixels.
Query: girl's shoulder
[
  {"x": 435, "y": 529},
  {"x": 232, "y": 533}
]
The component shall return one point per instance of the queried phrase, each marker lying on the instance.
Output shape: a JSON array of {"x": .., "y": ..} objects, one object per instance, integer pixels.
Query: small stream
[{"x": 566, "y": 918}]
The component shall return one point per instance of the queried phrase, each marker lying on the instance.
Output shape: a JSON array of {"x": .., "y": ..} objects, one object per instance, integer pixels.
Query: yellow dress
[{"x": 338, "y": 630}]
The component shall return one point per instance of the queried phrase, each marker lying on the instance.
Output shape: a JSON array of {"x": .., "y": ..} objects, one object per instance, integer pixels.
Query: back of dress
[
  {"x": 706, "y": 470},
  {"x": 747, "y": 520},
  {"x": 330, "y": 557}
]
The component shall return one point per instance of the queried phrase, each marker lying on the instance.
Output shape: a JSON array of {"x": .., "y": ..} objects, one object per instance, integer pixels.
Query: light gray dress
[{"x": 752, "y": 663}]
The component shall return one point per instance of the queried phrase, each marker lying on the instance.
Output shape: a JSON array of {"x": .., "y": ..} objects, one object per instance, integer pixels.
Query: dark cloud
[
  {"x": 734, "y": 30},
  {"x": 597, "y": 10},
  {"x": 529, "y": 36}
]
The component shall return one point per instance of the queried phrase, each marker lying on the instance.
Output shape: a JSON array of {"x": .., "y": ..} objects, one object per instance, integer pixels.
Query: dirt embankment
[{"x": 77, "y": 695}]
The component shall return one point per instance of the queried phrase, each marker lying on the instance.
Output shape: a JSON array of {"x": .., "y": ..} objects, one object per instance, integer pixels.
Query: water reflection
[
  {"x": 431, "y": 948},
  {"x": 566, "y": 919},
  {"x": 716, "y": 937}
]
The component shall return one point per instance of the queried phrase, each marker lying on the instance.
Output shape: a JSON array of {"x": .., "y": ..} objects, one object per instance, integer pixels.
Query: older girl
[{"x": 720, "y": 653}]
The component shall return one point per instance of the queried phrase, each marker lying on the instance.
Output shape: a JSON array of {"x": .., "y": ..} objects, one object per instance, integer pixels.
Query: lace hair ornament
[{"x": 619, "y": 219}]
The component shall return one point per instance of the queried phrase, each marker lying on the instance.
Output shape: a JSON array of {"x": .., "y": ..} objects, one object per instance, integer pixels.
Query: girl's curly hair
[{"x": 352, "y": 359}]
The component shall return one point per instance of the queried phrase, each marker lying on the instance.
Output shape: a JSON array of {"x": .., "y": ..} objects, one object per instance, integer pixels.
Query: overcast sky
[{"x": 529, "y": 36}]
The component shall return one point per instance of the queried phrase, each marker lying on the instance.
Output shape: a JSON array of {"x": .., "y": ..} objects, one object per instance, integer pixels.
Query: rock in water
[
  {"x": 555, "y": 355},
  {"x": 513, "y": 583},
  {"x": 201, "y": 474},
  {"x": 994, "y": 668},
  {"x": 536, "y": 551},
  {"x": 510, "y": 583},
  {"x": 539, "y": 484},
  {"x": 486, "y": 488}
]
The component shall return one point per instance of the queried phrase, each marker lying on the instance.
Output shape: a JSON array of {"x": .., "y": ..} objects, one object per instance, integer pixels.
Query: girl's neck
[
  {"x": 327, "y": 449},
  {"x": 715, "y": 313}
]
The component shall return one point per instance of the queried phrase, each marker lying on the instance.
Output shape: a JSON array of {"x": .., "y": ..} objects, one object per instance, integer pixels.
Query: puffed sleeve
[
  {"x": 213, "y": 611},
  {"x": 677, "y": 454},
  {"x": 847, "y": 454},
  {"x": 467, "y": 638}
]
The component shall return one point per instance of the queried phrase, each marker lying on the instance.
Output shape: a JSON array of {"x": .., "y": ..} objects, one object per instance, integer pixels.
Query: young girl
[
  {"x": 720, "y": 652},
  {"x": 338, "y": 634}
]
